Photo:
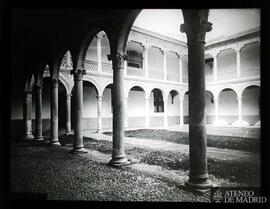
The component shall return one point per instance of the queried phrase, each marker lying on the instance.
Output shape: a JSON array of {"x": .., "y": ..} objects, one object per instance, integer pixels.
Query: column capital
[
  {"x": 117, "y": 59},
  {"x": 55, "y": 82},
  {"x": 38, "y": 89},
  {"x": 165, "y": 51},
  {"x": 99, "y": 36},
  {"x": 28, "y": 93},
  {"x": 146, "y": 98},
  {"x": 239, "y": 98},
  {"x": 214, "y": 53},
  {"x": 216, "y": 99},
  {"x": 78, "y": 73},
  {"x": 196, "y": 24},
  {"x": 146, "y": 45},
  {"x": 99, "y": 97},
  {"x": 69, "y": 95}
]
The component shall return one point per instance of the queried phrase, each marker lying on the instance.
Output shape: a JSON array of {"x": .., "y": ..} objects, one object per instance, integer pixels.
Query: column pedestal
[
  {"x": 118, "y": 155},
  {"x": 38, "y": 101},
  {"x": 27, "y": 116},
  {"x": 78, "y": 146}
]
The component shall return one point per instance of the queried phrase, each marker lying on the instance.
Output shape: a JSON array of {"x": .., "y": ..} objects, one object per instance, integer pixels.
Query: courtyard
[{"x": 158, "y": 170}]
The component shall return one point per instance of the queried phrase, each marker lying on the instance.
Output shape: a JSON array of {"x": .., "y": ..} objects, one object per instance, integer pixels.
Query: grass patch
[{"x": 224, "y": 142}]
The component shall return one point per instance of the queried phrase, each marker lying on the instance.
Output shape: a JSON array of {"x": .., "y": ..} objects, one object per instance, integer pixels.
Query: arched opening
[
  {"x": 210, "y": 107},
  {"x": 173, "y": 106},
  {"x": 96, "y": 55},
  {"x": 185, "y": 108},
  {"x": 66, "y": 62},
  {"x": 136, "y": 110},
  {"x": 251, "y": 104},
  {"x": 107, "y": 109},
  {"x": 46, "y": 105},
  {"x": 89, "y": 106},
  {"x": 228, "y": 106},
  {"x": 250, "y": 59},
  {"x": 62, "y": 117},
  {"x": 226, "y": 64},
  {"x": 156, "y": 107}
]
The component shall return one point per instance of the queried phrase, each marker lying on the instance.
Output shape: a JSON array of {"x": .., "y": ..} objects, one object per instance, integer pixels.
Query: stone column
[
  {"x": 180, "y": 68},
  {"x": 125, "y": 68},
  {"x": 164, "y": 64},
  {"x": 99, "y": 37},
  {"x": 78, "y": 109},
  {"x": 38, "y": 102},
  {"x": 99, "y": 113},
  {"x": 147, "y": 119},
  {"x": 238, "y": 71},
  {"x": 181, "y": 113},
  {"x": 239, "y": 99},
  {"x": 165, "y": 101},
  {"x": 27, "y": 116},
  {"x": 216, "y": 100},
  {"x": 215, "y": 67},
  {"x": 195, "y": 27},
  {"x": 125, "y": 112},
  {"x": 54, "y": 112},
  {"x": 118, "y": 155},
  {"x": 68, "y": 114},
  {"x": 145, "y": 59}
]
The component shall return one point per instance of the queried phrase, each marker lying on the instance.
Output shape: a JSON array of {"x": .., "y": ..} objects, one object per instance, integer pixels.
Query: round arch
[
  {"x": 248, "y": 85},
  {"x": 94, "y": 82}
]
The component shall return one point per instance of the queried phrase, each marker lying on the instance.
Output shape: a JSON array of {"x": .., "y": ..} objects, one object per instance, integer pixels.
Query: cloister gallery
[{"x": 103, "y": 73}]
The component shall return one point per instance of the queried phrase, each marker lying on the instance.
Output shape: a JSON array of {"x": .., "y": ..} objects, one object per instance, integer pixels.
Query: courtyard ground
[{"x": 158, "y": 170}]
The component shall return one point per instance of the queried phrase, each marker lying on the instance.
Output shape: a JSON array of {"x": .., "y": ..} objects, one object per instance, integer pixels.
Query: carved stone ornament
[
  {"x": 78, "y": 73},
  {"x": 117, "y": 59},
  {"x": 196, "y": 25}
]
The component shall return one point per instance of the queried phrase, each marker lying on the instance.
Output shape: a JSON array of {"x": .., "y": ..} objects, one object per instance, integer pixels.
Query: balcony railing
[
  {"x": 135, "y": 71},
  {"x": 159, "y": 75}
]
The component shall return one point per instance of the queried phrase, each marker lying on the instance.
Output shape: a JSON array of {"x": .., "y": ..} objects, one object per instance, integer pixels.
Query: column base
[
  {"x": 200, "y": 188},
  {"x": 99, "y": 131},
  {"x": 76, "y": 150},
  {"x": 119, "y": 161},
  {"x": 258, "y": 123},
  {"x": 39, "y": 138},
  {"x": 240, "y": 123},
  {"x": 54, "y": 143},
  {"x": 68, "y": 133},
  {"x": 29, "y": 137}
]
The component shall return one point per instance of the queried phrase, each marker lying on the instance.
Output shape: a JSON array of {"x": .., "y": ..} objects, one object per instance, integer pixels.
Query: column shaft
[
  {"x": 181, "y": 113},
  {"x": 38, "y": 113},
  {"x": 216, "y": 110},
  {"x": 165, "y": 101},
  {"x": 27, "y": 116},
  {"x": 147, "y": 119},
  {"x": 78, "y": 109},
  {"x": 164, "y": 66},
  {"x": 180, "y": 69},
  {"x": 215, "y": 68},
  {"x": 239, "y": 99},
  {"x": 99, "y": 111},
  {"x": 54, "y": 112},
  {"x": 145, "y": 60},
  {"x": 195, "y": 28},
  {"x": 68, "y": 114},
  {"x": 238, "y": 63},
  {"x": 125, "y": 112}
]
